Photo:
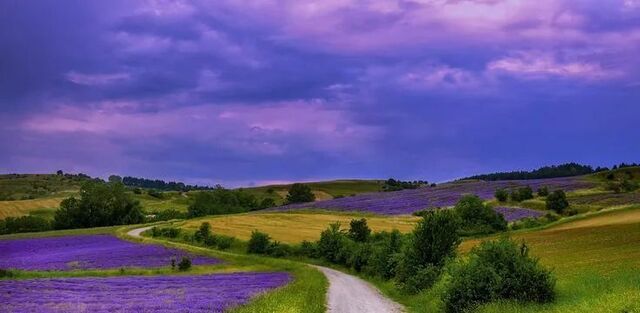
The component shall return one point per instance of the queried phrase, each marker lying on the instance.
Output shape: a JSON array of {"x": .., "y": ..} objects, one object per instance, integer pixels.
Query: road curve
[
  {"x": 347, "y": 293},
  {"x": 350, "y": 294},
  {"x": 135, "y": 233}
]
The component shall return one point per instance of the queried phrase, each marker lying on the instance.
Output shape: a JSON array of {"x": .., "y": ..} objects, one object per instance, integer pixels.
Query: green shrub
[
  {"x": 5, "y": 273},
  {"x": 184, "y": 264},
  {"x": 299, "y": 193},
  {"x": 259, "y": 243},
  {"x": 359, "y": 230},
  {"x": 224, "y": 242},
  {"x": 385, "y": 254},
  {"x": 557, "y": 201},
  {"x": 203, "y": 232},
  {"x": 433, "y": 241},
  {"x": 498, "y": 270},
  {"x": 222, "y": 201},
  {"x": 24, "y": 224},
  {"x": 476, "y": 217},
  {"x": 543, "y": 191},
  {"x": 267, "y": 203},
  {"x": 521, "y": 194},
  {"x": 330, "y": 243},
  {"x": 278, "y": 249},
  {"x": 502, "y": 195},
  {"x": 170, "y": 232},
  {"x": 308, "y": 249}
]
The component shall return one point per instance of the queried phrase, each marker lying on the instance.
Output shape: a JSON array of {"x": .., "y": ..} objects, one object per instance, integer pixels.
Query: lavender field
[
  {"x": 412, "y": 200},
  {"x": 87, "y": 252},
  {"x": 514, "y": 214},
  {"x": 203, "y": 293}
]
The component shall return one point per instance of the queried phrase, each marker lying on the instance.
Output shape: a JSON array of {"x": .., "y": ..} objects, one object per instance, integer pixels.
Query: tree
[
  {"x": 502, "y": 195},
  {"x": 358, "y": 230},
  {"x": 115, "y": 179},
  {"x": 299, "y": 193},
  {"x": 543, "y": 191},
  {"x": 476, "y": 217},
  {"x": 259, "y": 243},
  {"x": 221, "y": 201},
  {"x": 100, "y": 204},
  {"x": 203, "y": 232},
  {"x": 433, "y": 241},
  {"x": 557, "y": 201},
  {"x": 59, "y": 173}
]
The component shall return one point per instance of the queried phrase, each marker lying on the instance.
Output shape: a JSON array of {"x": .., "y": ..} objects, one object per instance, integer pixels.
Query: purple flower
[
  {"x": 409, "y": 201},
  {"x": 87, "y": 252},
  {"x": 514, "y": 214},
  {"x": 177, "y": 293}
]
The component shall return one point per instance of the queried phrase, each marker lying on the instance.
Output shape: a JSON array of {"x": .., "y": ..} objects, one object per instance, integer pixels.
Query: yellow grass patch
[
  {"x": 603, "y": 243},
  {"x": 24, "y": 207},
  {"x": 295, "y": 227}
]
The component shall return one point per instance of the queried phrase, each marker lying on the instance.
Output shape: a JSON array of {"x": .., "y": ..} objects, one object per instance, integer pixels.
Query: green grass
[{"x": 595, "y": 258}]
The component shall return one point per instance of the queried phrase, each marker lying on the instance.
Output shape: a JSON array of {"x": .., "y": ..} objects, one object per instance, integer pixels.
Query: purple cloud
[{"x": 242, "y": 91}]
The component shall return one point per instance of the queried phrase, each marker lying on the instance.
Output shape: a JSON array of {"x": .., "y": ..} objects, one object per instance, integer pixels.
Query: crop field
[
  {"x": 295, "y": 227},
  {"x": 201, "y": 293},
  {"x": 15, "y": 208},
  {"x": 87, "y": 252},
  {"x": 444, "y": 195}
]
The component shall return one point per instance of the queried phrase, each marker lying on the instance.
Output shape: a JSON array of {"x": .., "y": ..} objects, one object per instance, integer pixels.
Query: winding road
[{"x": 347, "y": 293}]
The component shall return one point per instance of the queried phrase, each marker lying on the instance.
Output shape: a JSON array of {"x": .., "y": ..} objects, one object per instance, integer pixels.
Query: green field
[{"x": 596, "y": 259}]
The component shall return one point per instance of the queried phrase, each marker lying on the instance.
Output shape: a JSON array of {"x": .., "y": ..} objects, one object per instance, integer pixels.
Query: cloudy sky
[{"x": 251, "y": 92}]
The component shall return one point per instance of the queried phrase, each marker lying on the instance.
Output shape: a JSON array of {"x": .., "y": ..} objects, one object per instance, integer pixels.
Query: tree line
[
  {"x": 157, "y": 184},
  {"x": 562, "y": 170}
]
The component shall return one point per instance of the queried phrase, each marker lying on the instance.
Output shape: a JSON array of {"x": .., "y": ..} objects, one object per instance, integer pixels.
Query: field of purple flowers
[
  {"x": 202, "y": 293},
  {"x": 412, "y": 200},
  {"x": 87, "y": 252},
  {"x": 514, "y": 214}
]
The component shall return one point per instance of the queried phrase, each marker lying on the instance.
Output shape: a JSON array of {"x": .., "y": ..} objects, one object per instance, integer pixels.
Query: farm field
[
  {"x": 44, "y": 207},
  {"x": 255, "y": 283},
  {"x": 443, "y": 195},
  {"x": 295, "y": 227},
  {"x": 596, "y": 261}
]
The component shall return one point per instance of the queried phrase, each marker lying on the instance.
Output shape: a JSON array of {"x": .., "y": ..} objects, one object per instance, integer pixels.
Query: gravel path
[
  {"x": 347, "y": 293},
  {"x": 136, "y": 232}
]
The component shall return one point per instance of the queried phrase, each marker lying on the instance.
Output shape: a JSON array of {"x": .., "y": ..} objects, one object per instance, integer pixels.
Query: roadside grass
[
  {"x": 306, "y": 293},
  {"x": 595, "y": 258},
  {"x": 295, "y": 227}
]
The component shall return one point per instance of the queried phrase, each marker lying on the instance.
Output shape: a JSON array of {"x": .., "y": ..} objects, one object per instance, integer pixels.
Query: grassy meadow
[
  {"x": 294, "y": 227},
  {"x": 595, "y": 258}
]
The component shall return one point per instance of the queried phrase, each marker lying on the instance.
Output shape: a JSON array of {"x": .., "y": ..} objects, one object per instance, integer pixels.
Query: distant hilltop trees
[
  {"x": 562, "y": 170},
  {"x": 157, "y": 184}
]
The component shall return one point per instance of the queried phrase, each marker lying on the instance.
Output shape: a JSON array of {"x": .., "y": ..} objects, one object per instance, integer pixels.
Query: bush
[
  {"x": 184, "y": 264},
  {"x": 433, "y": 241},
  {"x": 5, "y": 273},
  {"x": 521, "y": 194},
  {"x": 267, "y": 203},
  {"x": 498, "y": 270},
  {"x": 168, "y": 214},
  {"x": 476, "y": 217},
  {"x": 203, "y": 233},
  {"x": 385, "y": 254},
  {"x": 308, "y": 249},
  {"x": 502, "y": 195},
  {"x": 278, "y": 249},
  {"x": 299, "y": 193},
  {"x": 330, "y": 243},
  {"x": 24, "y": 224},
  {"x": 557, "y": 201},
  {"x": 222, "y": 201},
  {"x": 358, "y": 230},
  {"x": 100, "y": 204},
  {"x": 156, "y": 194},
  {"x": 170, "y": 232},
  {"x": 543, "y": 191},
  {"x": 259, "y": 243},
  {"x": 224, "y": 242}
]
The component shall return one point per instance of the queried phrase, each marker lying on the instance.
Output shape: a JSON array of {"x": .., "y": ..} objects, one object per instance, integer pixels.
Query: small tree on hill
[
  {"x": 557, "y": 201},
  {"x": 359, "y": 230},
  {"x": 502, "y": 195},
  {"x": 299, "y": 193}
]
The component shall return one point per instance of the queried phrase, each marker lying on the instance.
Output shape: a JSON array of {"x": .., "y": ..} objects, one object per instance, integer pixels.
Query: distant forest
[
  {"x": 159, "y": 184},
  {"x": 562, "y": 170}
]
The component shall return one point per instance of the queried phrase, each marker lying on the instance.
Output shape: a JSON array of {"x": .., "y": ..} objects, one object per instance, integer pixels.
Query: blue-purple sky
[{"x": 251, "y": 92}]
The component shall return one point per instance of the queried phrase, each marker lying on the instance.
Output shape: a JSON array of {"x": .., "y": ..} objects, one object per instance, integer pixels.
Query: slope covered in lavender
[
  {"x": 202, "y": 293},
  {"x": 87, "y": 252},
  {"x": 412, "y": 200}
]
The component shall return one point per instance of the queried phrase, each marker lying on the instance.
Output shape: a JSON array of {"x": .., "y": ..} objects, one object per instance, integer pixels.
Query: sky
[{"x": 246, "y": 93}]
